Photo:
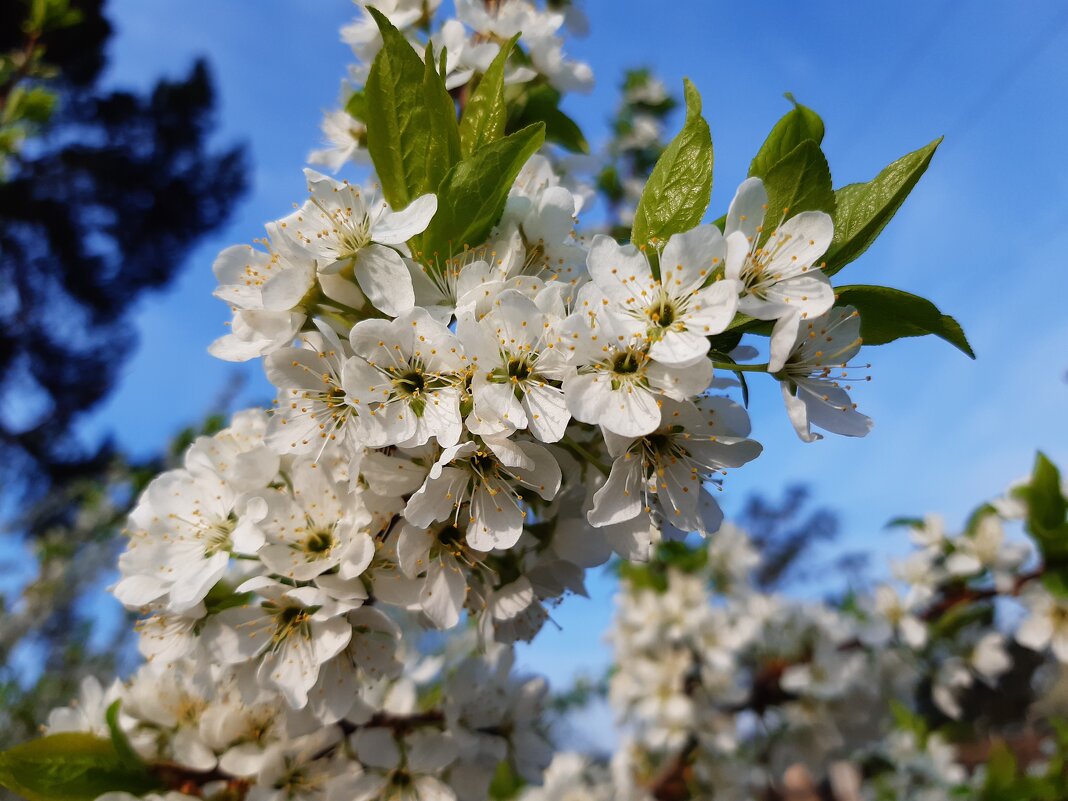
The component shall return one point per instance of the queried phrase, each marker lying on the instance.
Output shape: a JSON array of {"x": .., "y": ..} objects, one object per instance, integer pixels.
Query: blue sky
[{"x": 984, "y": 235}]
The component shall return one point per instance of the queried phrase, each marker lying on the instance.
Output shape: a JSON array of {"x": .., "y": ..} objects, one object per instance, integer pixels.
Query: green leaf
[
  {"x": 118, "y": 737},
  {"x": 71, "y": 766},
  {"x": 906, "y": 719},
  {"x": 1046, "y": 510},
  {"x": 888, "y": 314},
  {"x": 1055, "y": 579},
  {"x": 1000, "y": 768},
  {"x": 680, "y": 186},
  {"x": 797, "y": 125},
  {"x": 541, "y": 103},
  {"x": 356, "y": 107},
  {"x": 863, "y": 210},
  {"x": 472, "y": 195},
  {"x": 486, "y": 113},
  {"x": 443, "y": 143},
  {"x": 412, "y": 133},
  {"x": 906, "y": 522},
  {"x": 799, "y": 181},
  {"x": 506, "y": 782}
]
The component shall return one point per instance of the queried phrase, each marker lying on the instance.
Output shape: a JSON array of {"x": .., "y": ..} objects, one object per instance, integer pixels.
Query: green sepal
[
  {"x": 1000, "y": 780},
  {"x": 888, "y": 314},
  {"x": 678, "y": 191},
  {"x": 863, "y": 210},
  {"x": 906, "y": 522}
]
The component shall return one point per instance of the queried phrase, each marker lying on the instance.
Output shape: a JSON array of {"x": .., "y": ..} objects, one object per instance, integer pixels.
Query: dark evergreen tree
[{"x": 102, "y": 206}]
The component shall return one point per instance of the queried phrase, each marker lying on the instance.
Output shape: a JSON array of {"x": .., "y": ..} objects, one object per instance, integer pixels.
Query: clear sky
[{"x": 984, "y": 235}]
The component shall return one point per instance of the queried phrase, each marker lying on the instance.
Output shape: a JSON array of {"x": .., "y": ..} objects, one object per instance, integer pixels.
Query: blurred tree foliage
[{"x": 103, "y": 193}]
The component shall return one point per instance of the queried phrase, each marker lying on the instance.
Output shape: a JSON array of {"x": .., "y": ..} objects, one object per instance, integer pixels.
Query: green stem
[{"x": 744, "y": 368}]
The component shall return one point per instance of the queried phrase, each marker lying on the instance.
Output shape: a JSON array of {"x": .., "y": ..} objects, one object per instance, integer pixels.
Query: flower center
[
  {"x": 355, "y": 234},
  {"x": 288, "y": 620},
  {"x": 217, "y": 535},
  {"x": 409, "y": 383},
  {"x": 318, "y": 543},
  {"x": 663, "y": 313},
  {"x": 519, "y": 368},
  {"x": 450, "y": 535},
  {"x": 627, "y": 361}
]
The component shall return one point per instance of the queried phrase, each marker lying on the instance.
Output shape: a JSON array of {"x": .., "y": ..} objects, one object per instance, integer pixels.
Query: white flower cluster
[
  {"x": 692, "y": 674},
  {"x": 217, "y": 727},
  {"x": 468, "y": 434},
  {"x": 744, "y": 687}
]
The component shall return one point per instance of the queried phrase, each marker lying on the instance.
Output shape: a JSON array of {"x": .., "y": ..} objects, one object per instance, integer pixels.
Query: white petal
[
  {"x": 547, "y": 414},
  {"x": 376, "y": 748},
  {"x": 746, "y": 213},
  {"x": 688, "y": 259},
  {"x": 783, "y": 338},
  {"x": 286, "y": 288},
  {"x": 395, "y": 227},
  {"x": 430, "y": 751},
  {"x": 437, "y": 498},
  {"x": 443, "y": 593},
  {"x": 496, "y": 521},
  {"x": 679, "y": 348},
  {"x": 539, "y": 471},
  {"x": 620, "y": 271},
  {"x": 383, "y": 277},
  {"x": 797, "y": 411},
  {"x": 620, "y": 498}
]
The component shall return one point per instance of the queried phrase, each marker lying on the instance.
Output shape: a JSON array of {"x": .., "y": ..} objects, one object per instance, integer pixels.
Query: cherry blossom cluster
[
  {"x": 474, "y": 435},
  {"x": 523, "y": 347},
  {"x": 438, "y": 731}
]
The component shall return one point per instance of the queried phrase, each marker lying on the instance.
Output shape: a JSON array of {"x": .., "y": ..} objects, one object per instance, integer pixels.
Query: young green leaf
[
  {"x": 887, "y": 314},
  {"x": 472, "y": 195},
  {"x": 1000, "y": 772},
  {"x": 443, "y": 143},
  {"x": 863, "y": 210},
  {"x": 356, "y": 107},
  {"x": 797, "y": 125},
  {"x": 799, "y": 181},
  {"x": 680, "y": 186},
  {"x": 118, "y": 737},
  {"x": 486, "y": 114},
  {"x": 1046, "y": 510},
  {"x": 71, "y": 766},
  {"x": 541, "y": 103},
  {"x": 412, "y": 133}
]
